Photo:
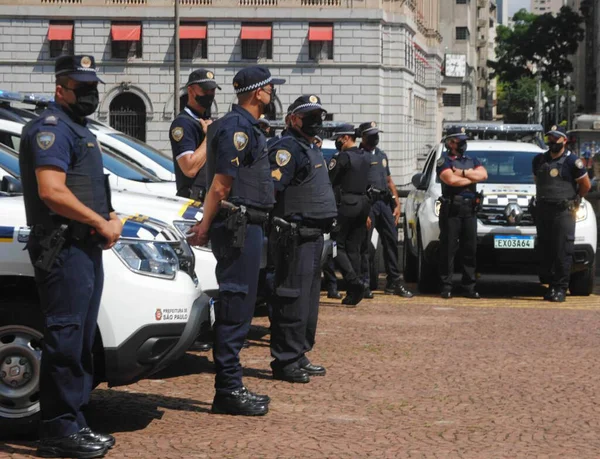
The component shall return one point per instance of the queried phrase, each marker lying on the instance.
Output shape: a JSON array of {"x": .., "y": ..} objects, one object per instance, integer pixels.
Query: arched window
[{"x": 127, "y": 113}]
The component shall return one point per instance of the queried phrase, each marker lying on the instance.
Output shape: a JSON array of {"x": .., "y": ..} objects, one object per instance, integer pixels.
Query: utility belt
[
  {"x": 52, "y": 240},
  {"x": 475, "y": 202},
  {"x": 564, "y": 204},
  {"x": 237, "y": 219},
  {"x": 301, "y": 230},
  {"x": 386, "y": 196}
]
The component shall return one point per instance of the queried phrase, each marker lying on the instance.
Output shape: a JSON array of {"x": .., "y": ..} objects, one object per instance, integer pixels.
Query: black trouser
[
  {"x": 70, "y": 299},
  {"x": 352, "y": 221},
  {"x": 556, "y": 242},
  {"x": 295, "y": 302},
  {"x": 382, "y": 219},
  {"x": 458, "y": 230}
]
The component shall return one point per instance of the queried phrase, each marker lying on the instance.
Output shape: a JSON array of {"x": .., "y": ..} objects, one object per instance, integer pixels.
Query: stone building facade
[{"x": 367, "y": 59}]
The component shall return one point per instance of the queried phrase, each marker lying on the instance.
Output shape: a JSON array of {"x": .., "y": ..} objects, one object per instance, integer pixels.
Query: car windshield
[
  {"x": 506, "y": 167},
  {"x": 125, "y": 169},
  {"x": 146, "y": 150},
  {"x": 9, "y": 161}
]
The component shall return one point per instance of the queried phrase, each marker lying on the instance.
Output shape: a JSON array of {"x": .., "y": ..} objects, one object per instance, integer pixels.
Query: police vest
[
  {"x": 378, "y": 170},
  {"x": 470, "y": 190},
  {"x": 253, "y": 185},
  {"x": 356, "y": 178},
  {"x": 313, "y": 197},
  {"x": 85, "y": 176},
  {"x": 184, "y": 183},
  {"x": 551, "y": 186}
]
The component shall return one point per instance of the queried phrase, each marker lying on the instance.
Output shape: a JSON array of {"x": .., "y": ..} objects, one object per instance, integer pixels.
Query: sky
[{"x": 516, "y": 5}]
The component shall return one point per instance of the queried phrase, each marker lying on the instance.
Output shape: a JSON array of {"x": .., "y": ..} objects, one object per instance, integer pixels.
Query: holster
[
  {"x": 532, "y": 207},
  {"x": 51, "y": 243},
  {"x": 197, "y": 193},
  {"x": 478, "y": 202},
  {"x": 237, "y": 223},
  {"x": 286, "y": 236}
]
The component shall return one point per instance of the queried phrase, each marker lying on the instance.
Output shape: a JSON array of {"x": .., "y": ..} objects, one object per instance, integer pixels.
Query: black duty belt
[{"x": 254, "y": 216}]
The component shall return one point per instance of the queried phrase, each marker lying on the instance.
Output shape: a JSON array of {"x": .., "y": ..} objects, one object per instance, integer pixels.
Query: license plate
[{"x": 514, "y": 242}]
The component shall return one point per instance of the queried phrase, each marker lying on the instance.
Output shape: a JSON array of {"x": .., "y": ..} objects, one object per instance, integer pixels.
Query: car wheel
[
  {"x": 20, "y": 358},
  {"x": 582, "y": 282},
  {"x": 409, "y": 261},
  {"x": 429, "y": 279}
]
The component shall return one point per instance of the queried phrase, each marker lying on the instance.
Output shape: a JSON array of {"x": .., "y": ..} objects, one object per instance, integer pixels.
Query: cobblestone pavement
[{"x": 507, "y": 376}]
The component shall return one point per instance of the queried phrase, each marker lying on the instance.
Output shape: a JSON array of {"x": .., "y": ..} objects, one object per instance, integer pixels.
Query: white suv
[{"x": 504, "y": 246}]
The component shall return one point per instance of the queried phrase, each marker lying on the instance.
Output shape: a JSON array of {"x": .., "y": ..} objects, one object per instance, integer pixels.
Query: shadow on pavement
[{"x": 19, "y": 447}]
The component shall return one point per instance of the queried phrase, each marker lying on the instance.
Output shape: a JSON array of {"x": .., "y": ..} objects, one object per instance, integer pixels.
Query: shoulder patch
[
  {"x": 282, "y": 157},
  {"x": 45, "y": 139},
  {"x": 276, "y": 174},
  {"x": 384, "y": 162},
  {"x": 236, "y": 162},
  {"x": 177, "y": 133},
  {"x": 332, "y": 163},
  {"x": 50, "y": 120},
  {"x": 441, "y": 161},
  {"x": 240, "y": 140},
  {"x": 579, "y": 164}
]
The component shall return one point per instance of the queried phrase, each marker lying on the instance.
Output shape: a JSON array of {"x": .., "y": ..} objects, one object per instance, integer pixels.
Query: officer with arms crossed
[
  {"x": 459, "y": 174},
  {"x": 384, "y": 198},
  {"x": 67, "y": 202},
  {"x": 349, "y": 176},
  {"x": 561, "y": 180},
  {"x": 237, "y": 171},
  {"x": 306, "y": 202},
  {"x": 188, "y": 135}
]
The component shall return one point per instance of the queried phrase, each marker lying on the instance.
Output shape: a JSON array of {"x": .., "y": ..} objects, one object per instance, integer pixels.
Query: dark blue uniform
[
  {"x": 186, "y": 135},
  {"x": 458, "y": 223},
  {"x": 329, "y": 277},
  {"x": 237, "y": 147},
  {"x": 556, "y": 190},
  {"x": 304, "y": 197},
  {"x": 70, "y": 292}
]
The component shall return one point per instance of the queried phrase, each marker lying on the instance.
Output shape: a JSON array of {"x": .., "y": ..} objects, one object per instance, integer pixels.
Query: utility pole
[{"x": 176, "y": 83}]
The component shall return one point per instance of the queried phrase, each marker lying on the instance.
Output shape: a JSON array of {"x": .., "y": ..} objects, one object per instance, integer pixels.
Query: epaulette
[{"x": 50, "y": 120}]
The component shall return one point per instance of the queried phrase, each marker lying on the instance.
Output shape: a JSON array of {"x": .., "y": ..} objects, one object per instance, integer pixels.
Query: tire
[
  {"x": 20, "y": 358},
  {"x": 582, "y": 282},
  {"x": 429, "y": 278},
  {"x": 409, "y": 261}
]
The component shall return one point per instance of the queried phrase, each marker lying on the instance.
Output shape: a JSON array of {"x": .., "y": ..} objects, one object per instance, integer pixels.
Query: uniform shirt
[
  {"x": 572, "y": 170},
  {"x": 288, "y": 160},
  {"x": 449, "y": 161},
  {"x": 380, "y": 169},
  {"x": 186, "y": 135}
]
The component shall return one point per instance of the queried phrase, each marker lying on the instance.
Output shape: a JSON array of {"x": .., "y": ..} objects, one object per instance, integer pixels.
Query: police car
[
  {"x": 506, "y": 234},
  {"x": 151, "y": 311}
]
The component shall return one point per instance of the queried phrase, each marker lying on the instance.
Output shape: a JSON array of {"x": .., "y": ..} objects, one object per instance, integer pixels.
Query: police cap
[
  {"x": 204, "y": 78},
  {"x": 457, "y": 132},
  {"x": 251, "y": 78},
  {"x": 306, "y": 103},
  {"x": 368, "y": 128},
  {"x": 343, "y": 129},
  {"x": 557, "y": 131},
  {"x": 79, "y": 68}
]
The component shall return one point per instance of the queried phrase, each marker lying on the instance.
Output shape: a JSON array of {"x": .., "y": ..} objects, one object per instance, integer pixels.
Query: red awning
[
  {"x": 192, "y": 32},
  {"x": 126, "y": 32},
  {"x": 60, "y": 32},
  {"x": 251, "y": 32},
  {"x": 320, "y": 33}
]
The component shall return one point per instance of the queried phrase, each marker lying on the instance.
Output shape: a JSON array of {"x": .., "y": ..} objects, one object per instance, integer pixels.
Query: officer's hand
[
  {"x": 111, "y": 231},
  {"x": 396, "y": 214},
  {"x": 205, "y": 124},
  {"x": 198, "y": 235},
  {"x": 369, "y": 223}
]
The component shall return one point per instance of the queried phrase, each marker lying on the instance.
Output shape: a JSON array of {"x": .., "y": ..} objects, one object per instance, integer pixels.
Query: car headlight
[
  {"x": 150, "y": 258},
  {"x": 436, "y": 207},
  {"x": 581, "y": 214},
  {"x": 184, "y": 227}
]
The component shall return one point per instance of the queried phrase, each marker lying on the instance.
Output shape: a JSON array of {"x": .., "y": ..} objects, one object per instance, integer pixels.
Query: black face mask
[
  {"x": 312, "y": 124},
  {"x": 372, "y": 141},
  {"x": 86, "y": 101},
  {"x": 205, "y": 101},
  {"x": 268, "y": 109},
  {"x": 338, "y": 145},
  {"x": 462, "y": 147},
  {"x": 555, "y": 147}
]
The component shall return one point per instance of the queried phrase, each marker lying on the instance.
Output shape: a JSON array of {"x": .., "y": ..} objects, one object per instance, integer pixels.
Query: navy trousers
[
  {"x": 70, "y": 298},
  {"x": 237, "y": 274}
]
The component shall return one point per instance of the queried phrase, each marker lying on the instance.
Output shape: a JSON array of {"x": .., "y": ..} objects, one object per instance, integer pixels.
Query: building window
[
  {"x": 192, "y": 41},
  {"x": 320, "y": 50},
  {"x": 461, "y": 2},
  {"x": 257, "y": 42},
  {"x": 60, "y": 37},
  {"x": 126, "y": 40},
  {"x": 451, "y": 100},
  {"x": 462, "y": 33}
]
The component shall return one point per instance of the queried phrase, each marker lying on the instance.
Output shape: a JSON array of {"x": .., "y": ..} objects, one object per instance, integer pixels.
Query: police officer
[
  {"x": 67, "y": 203},
  {"x": 384, "y": 198},
  {"x": 459, "y": 173},
  {"x": 349, "y": 176},
  {"x": 237, "y": 171},
  {"x": 188, "y": 133},
  {"x": 561, "y": 180},
  {"x": 304, "y": 199}
]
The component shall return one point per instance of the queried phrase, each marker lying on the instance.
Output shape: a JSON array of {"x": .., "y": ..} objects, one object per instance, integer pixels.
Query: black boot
[
  {"x": 293, "y": 375},
  {"x": 257, "y": 397},
  {"x": 77, "y": 446},
  {"x": 396, "y": 288},
  {"x": 334, "y": 294},
  {"x": 240, "y": 402},
  {"x": 549, "y": 294},
  {"x": 105, "y": 439}
]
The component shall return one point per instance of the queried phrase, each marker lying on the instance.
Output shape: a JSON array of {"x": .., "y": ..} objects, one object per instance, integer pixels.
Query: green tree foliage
[{"x": 545, "y": 40}]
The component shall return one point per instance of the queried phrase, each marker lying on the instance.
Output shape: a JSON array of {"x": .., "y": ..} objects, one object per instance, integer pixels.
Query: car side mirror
[
  {"x": 11, "y": 185},
  {"x": 417, "y": 180}
]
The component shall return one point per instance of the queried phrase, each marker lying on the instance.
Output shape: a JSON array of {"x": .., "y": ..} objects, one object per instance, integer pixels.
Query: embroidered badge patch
[
  {"x": 236, "y": 162},
  {"x": 45, "y": 140},
  {"x": 332, "y": 163},
  {"x": 313, "y": 99},
  {"x": 177, "y": 133},
  {"x": 209, "y": 75},
  {"x": 384, "y": 162},
  {"x": 441, "y": 161},
  {"x": 86, "y": 62},
  {"x": 282, "y": 157},
  {"x": 240, "y": 140},
  {"x": 579, "y": 164},
  {"x": 553, "y": 172},
  {"x": 276, "y": 174}
]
